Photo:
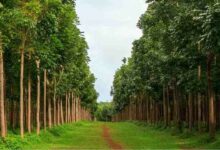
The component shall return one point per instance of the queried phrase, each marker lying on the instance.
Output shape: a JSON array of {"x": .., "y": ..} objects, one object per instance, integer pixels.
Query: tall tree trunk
[
  {"x": 164, "y": 105},
  {"x": 49, "y": 112},
  {"x": 199, "y": 101},
  {"x": 168, "y": 107},
  {"x": 76, "y": 109},
  {"x": 190, "y": 105},
  {"x": 69, "y": 107},
  {"x": 66, "y": 108},
  {"x": 72, "y": 109},
  {"x": 61, "y": 107},
  {"x": 130, "y": 110},
  {"x": 14, "y": 114},
  {"x": 148, "y": 109},
  {"x": 22, "y": 94},
  {"x": 22, "y": 86},
  {"x": 199, "y": 94},
  {"x": 58, "y": 111},
  {"x": 38, "y": 97},
  {"x": 45, "y": 99},
  {"x": 176, "y": 97},
  {"x": 29, "y": 96},
  {"x": 54, "y": 104},
  {"x": 2, "y": 101},
  {"x": 211, "y": 97}
]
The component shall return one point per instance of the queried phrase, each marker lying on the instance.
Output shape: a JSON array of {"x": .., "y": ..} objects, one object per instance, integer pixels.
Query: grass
[
  {"x": 135, "y": 136},
  {"x": 88, "y": 135},
  {"x": 142, "y": 136},
  {"x": 81, "y": 135}
]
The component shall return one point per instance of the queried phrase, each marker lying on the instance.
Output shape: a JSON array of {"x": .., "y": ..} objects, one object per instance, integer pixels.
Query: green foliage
[
  {"x": 46, "y": 30},
  {"x": 104, "y": 111},
  {"x": 177, "y": 37}
]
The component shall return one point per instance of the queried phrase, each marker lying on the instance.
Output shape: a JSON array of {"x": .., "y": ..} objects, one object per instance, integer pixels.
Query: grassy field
[
  {"x": 139, "y": 137},
  {"x": 81, "y": 135},
  {"x": 142, "y": 136},
  {"x": 88, "y": 135}
]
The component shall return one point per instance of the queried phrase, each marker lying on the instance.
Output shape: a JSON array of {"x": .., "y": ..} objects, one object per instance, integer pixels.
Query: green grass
[
  {"x": 142, "y": 137},
  {"x": 81, "y": 135},
  {"x": 88, "y": 135}
]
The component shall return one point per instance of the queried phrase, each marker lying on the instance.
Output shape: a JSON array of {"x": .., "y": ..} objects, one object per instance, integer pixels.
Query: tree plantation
[
  {"x": 45, "y": 79},
  {"x": 166, "y": 95},
  {"x": 173, "y": 74}
]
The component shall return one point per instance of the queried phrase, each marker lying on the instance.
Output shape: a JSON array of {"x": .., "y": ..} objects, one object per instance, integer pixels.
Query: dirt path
[{"x": 106, "y": 135}]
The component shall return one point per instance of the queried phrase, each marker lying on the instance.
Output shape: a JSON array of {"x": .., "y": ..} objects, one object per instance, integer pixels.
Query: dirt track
[{"x": 112, "y": 144}]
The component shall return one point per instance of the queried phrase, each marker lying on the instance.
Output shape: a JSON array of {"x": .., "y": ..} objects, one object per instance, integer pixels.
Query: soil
[{"x": 112, "y": 144}]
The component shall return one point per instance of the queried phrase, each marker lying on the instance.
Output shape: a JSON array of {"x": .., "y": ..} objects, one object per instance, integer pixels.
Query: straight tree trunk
[
  {"x": 66, "y": 108},
  {"x": 148, "y": 109},
  {"x": 14, "y": 114},
  {"x": 22, "y": 94},
  {"x": 199, "y": 102},
  {"x": 199, "y": 94},
  {"x": 176, "y": 97},
  {"x": 54, "y": 104},
  {"x": 69, "y": 107},
  {"x": 45, "y": 99},
  {"x": 29, "y": 97},
  {"x": 61, "y": 107},
  {"x": 22, "y": 86},
  {"x": 168, "y": 107},
  {"x": 190, "y": 105},
  {"x": 58, "y": 111},
  {"x": 38, "y": 97},
  {"x": 2, "y": 101},
  {"x": 211, "y": 97},
  {"x": 76, "y": 110},
  {"x": 72, "y": 109},
  {"x": 49, "y": 113},
  {"x": 164, "y": 105}
]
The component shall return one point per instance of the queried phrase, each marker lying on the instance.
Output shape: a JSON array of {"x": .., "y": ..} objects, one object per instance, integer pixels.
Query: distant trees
[
  {"x": 173, "y": 71},
  {"x": 104, "y": 111},
  {"x": 43, "y": 58}
]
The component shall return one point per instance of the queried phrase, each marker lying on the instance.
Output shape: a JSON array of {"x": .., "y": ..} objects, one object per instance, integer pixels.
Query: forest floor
[{"x": 99, "y": 135}]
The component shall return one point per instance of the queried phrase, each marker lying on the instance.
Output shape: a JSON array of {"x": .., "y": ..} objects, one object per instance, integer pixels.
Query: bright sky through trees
[{"x": 110, "y": 28}]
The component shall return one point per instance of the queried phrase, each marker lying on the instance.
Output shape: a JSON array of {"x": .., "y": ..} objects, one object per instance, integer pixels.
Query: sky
[{"x": 110, "y": 27}]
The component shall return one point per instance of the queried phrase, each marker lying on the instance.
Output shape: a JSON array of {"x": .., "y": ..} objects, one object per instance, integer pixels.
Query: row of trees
[
  {"x": 104, "y": 111},
  {"x": 40, "y": 39},
  {"x": 173, "y": 72}
]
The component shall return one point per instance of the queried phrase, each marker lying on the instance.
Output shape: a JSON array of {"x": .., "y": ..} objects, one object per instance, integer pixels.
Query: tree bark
[
  {"x": 211, "y": 97},
  {"x": 66, "y": 108},
  {"x": 72, "y": 110},
  {"x": 76, "y": 109},
  {"x": 38, "y": 97},
  {"x": 29, "y": 96},
  {"x": 199, "y": 101},
  {"x": 199, "y": 94},
  {"x": 168, "y": 106},
  {"x": 54, "y": 104},
  {"x": 164, "y": 105},
  {"x": 49, "y": 112},
  {"x": 22, "y": 93},
  {"x": 190, "y": 105},
  {"x": 58, "y": 111},
  {"x": 61, "y": 107},
  {"x": 45, "y": 99},
  {"x": 2, "y": 100}
]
